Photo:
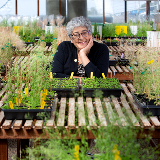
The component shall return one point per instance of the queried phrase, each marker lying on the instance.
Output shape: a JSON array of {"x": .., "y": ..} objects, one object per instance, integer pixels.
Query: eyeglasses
[{"x": 77, "y": 35}]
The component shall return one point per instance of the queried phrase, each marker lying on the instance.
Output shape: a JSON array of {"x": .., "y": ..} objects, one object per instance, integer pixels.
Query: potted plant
[
  {"x": 9, "y": 43},
  {"x": 33, "y": 100},
  {"x": 146, "y": 81},
  {"x": 106, "y": 86},
  {"x": 112, "y": 42}
]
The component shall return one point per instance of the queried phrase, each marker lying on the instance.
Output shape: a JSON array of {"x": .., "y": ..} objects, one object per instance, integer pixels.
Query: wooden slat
[
  {"x": 50, "y": 48},
  {"x": 154, "y": 120},
  {"x": 125, "y": 69},
  {"x": 90, "y": 110},
  {"x": 28, "y": 124},
  {"x": 34, "y": 48},
  {"x": 46, "y": 48},
  {"x": 1, "y": 104},
  {"x": 71, "y": 114},
  {"x": 109, "y": 71},
  {"x": 100, "y": 112},
  {"x": 119, "y": 69},
  {"x": 39, "y": 124},
  {"x": 143, "y": 119},
  {"x": 20, "y": 60},
  {"x": 110, "y": 113},
  {"x": 128, "y": 110},
  {"x": 129, "y": 68},
  {"x": 50, "y": 123},
  {"x": 113, "y": 69},
  {"x": 1, "y": 117},
  {"x": 17, "y": 124},
  {"x": 81, "y": 113},
  {"x": 31, "y": 47},
  {"x": 135, "y": 68},
  {"x": 131, "y": 87},
  {"x": 119, "y": 111},
  {"x": 5, "y": 97},
  {"x": 27, "y": 47},
  {"x": 53, "y": 113},
  {"x": 3, "y": 91},
  {"x": 61, "y": 117},
  {"x": 7, "y": 124}
]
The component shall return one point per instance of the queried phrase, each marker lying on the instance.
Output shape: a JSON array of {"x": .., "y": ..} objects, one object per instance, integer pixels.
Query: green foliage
[
  {"x": 109, "y": 29},
  {"x": 34, "y": 74},
  {"x": 147, "y": 73},
  {"x": 95, "y": 33},
  {"x": 108, "y": 83},
  {"x": 112, "y": 143}
]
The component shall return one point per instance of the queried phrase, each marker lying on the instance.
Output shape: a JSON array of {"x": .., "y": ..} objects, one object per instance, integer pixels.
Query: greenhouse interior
[{"x": 78, "y": 78}]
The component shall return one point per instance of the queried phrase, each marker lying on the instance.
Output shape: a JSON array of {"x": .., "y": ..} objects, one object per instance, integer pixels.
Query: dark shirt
[{"x": 65, "y": 60}]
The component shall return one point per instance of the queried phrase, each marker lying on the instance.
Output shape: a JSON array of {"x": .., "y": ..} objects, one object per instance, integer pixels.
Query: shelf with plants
[
  {"x": 136, "y": 41},
  {"x": 147, "y": 81},
  {"x": 112, "y": 42},
  {"x": 93, "y": 87},
  {"x": 27, "y": 89},
  {"x": 108, "y": 30}
]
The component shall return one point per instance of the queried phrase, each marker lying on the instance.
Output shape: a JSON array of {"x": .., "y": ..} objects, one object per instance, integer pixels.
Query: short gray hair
[{"x": 78, "y": 22}]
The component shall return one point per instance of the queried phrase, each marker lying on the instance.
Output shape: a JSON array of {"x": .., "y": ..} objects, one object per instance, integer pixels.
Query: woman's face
[{"x": 80, "y": 37}]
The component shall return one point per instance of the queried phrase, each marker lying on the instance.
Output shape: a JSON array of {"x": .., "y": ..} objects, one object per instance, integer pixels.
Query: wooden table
[{"x": 80, "y": 115}]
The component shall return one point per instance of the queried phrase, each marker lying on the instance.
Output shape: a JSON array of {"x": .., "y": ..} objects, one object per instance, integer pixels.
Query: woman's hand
[{"x": 86, "y": 49}]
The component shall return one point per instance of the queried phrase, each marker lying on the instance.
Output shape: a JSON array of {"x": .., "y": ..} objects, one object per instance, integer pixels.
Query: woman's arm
[
  {"x": 99, "y": 63},
  {"x": 58, "y": 63}
]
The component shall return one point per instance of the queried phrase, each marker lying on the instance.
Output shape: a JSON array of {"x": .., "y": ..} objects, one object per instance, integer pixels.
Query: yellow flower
[{"x": 116, "y": 153}]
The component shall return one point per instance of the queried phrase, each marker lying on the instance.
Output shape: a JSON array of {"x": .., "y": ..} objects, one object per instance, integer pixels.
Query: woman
[{"x": 81, "y": 55}]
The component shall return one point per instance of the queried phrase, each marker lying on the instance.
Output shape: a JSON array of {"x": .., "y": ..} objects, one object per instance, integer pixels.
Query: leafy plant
[
  {"x": 95, "y": 33},
  {"x": 147, "y": 73},
  {"x": 108, "y": 83}
]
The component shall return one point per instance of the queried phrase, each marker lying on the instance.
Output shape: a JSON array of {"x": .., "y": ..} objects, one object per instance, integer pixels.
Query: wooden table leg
[
  {"x": 158, "y": 149},
  {"x": 24, "y": 146},
  {"x": 18, "y": 148},
  {"x": 3, "y": 149}
]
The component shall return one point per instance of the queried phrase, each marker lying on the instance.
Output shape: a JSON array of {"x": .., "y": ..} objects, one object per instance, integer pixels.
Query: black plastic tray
[
  {"x": 65, "y": 92},
  {"x": 112, "y": 62},
  {"x": 146, "y": 107},
  {"x": 26, "y": 114},
  {"x": 123, "y": 61},
  {"x": 112, "y": 43},
  {"x": 87, "y": 92}
]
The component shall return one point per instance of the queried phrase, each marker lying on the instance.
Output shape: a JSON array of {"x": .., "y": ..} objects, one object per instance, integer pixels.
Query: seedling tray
[
  {"x": 146, "y": 107},
  {"x": 106, "y": 92},
  {"x": 101, "y": 87},
  {"x": 25, "y": 114},
  {"x": 112, "y": 62},
  {"x": 112, "y": 43},
  {"x": 66, "y": 92}
]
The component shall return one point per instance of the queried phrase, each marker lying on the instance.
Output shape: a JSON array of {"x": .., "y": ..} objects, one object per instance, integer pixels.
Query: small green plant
[{"x": 108, "y": 83}]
